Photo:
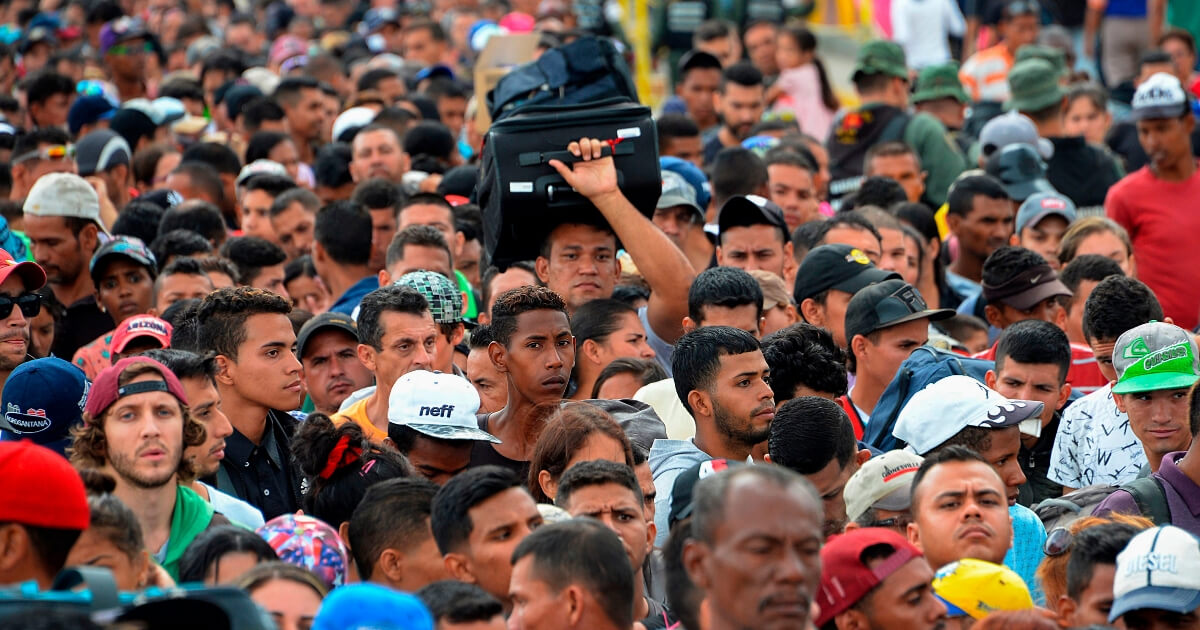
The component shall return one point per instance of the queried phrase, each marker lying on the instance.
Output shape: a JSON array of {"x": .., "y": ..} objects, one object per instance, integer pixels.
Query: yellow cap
[{"x": 979, "y": 588}]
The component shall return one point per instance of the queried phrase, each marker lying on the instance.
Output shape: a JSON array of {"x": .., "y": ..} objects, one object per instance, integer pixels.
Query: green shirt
[{"x": 1184, "y": 14}]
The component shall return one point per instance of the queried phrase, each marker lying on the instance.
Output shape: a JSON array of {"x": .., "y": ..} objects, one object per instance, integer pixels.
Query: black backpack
[{"x": 585, "y": 71}]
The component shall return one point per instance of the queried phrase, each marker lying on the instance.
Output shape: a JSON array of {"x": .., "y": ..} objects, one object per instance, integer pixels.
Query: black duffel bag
[{"x": 523, "y": 198}]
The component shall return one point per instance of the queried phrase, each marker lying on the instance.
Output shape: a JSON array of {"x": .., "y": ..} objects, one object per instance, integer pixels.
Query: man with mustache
[
  {"x": 197, "y": 374},
  {"x": 327, "y": 348},
  {"x": 136, "y": 428},
  {"x": 874, "y": 578},
  {"x": 740, "y": 101},
  {"x": 377, "y": 152},
  {"x": 18, "y": 281},
  {"x": 763, "y": 571}
]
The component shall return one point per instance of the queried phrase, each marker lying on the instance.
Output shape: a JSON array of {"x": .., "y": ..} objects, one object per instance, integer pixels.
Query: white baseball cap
[
  {"x": 1160, "y": 96},
  {"x": 938, "y": 412},
  {"x": 439, "y": 405},
  {"x": 883, "y": 482},
  {"x": 64, "y": 195},
  {"x": 1157, "y": 570}
]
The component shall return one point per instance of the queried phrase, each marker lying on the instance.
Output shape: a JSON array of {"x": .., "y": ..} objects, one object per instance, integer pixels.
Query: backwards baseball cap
[
  {"x": 676, "y": 191},
  {"x": 64, "y": 195},
  {"x": 105, "y": 390},
  {"x": 31, "y": 273},
  {"x": 1042, "y": 205},
  {"x": 87, "y": 110},
  {"x": 1012, "y": 128},
  {"x": 42, "y": 400},
  {"x": 328, "y": 320},
  {"x": 881, "y": 57},
  {"x": 366, "y": 605},
  {"x": 839, "y": 267},
  {"x": 1156, "y": 570},
  {"x": 441, "y": 406},
  {"x": 141, "y": 327},
  {"x": 127, "y": 247},
  {"x": 1155, "y": 356},
  {"x": 445, "y": 300},
  {"x": 685, "y": 486},
  {"x": 846, "y": 579},
  {"x": 774, "y": 290},
  {"x": 1160, "y": 96},
  {"x": 889, "y": 303},
  {"x": 977, "y": 588},
  {"x": 1021, "y": 169},
  {"x": 946, "y": 407},
  {"x": 100, "y": 151},
  {"x": 120, "y": 30},
  {"x": 40, "y": 488},
  {"x": 1027, "y": 289},
  {"x": 883, "y": 482}
]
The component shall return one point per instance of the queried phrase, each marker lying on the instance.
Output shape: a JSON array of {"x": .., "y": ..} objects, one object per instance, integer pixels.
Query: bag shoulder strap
[{"x": 1151, "y": 499}]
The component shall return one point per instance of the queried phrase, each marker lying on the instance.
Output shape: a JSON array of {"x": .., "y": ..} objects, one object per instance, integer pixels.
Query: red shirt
[
  {"x": 1162, "y": 220},
  {"x": 1084, "y": 374}
]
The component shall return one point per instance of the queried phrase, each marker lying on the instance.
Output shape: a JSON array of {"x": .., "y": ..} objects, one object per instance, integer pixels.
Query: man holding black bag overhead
[{"x": 579, "y": 260}]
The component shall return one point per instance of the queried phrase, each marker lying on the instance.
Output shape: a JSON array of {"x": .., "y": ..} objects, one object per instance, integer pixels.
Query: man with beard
[
  {"x": 136, "y": 427},
  {"x": 327, "y": 346},
  {"x": 197, "y": 374},
  {"x": 721, "y": 379},
  {"x": 18, "y": 281},
  {"x": 62, "y": 221},
  {"x": 740, "y": 101},
  {"x": 377, "y": 152},
  {"x": 760, "y": 572}
]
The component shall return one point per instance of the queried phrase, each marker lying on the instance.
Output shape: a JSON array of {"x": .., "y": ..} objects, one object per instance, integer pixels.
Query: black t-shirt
[
  {"x": 1035, "y": 463},
  {"x": 1081, "y": 171},
  {"x": 660, "y": 616},
  {"x": 81, "y": 325},
  {"x": 483, "y": 454}
]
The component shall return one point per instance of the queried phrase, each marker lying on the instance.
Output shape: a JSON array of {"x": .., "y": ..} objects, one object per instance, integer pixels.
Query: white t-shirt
[
  {"x": 922, "y": 27},
  {"x": 1095, "y": 444}
]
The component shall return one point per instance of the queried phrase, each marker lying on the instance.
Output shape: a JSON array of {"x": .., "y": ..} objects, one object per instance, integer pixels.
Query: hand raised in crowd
[{"x": 594, "y": 175}]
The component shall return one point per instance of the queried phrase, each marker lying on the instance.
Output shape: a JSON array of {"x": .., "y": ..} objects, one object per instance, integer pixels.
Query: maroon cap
[
  {"x": 105, "y": 390},
  {"x": 845, "y": 579},
  {"x": 31, "y": 273}
]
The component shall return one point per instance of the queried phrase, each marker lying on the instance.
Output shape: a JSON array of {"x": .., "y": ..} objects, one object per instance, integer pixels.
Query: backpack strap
[
  {"x": 894, "y": 131},
  {"x": 852, "y": 413},
  {"x": 1151, "y": 499}
]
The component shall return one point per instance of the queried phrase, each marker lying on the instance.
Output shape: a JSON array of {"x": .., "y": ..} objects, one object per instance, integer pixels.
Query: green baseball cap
[
  {"x": 1051, "y": 55},
  {"x": 1033, "y": 85},
  {"x": 881, "y": 57},
  {"x": 1155, "y": 356},
  {"x": 940, "y": 81}
]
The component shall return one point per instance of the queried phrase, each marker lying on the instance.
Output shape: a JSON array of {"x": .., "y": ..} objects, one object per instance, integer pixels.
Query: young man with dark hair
[
  {"x": 740, "y": 101},
  {"x": 1032, "y": 360},
  {"x": 48, "y": 97},
  {"x": 258, "y": 196},
  {"x": 812, "y": 436},
  {"x": 679, "y": 136},
  {"x": 417, "y": 248},
  {"x": 1091, "y": 571},
  {"x": 1081, "y": 276},
  {"x": 495, "y": 283},
  {"x": 980, "y": 216},
  {"x": 38, "y": 153},
  {"x": 848, "y": 228},
  {"x": 571, "y": 575},
  {"x": 721, "y": 378},
  {"x": 396, "y": 335},
  {"x": 451, "y": 97},
  {"x": 390, "y": 537},
  {"x": 425, "y": 43},
  {"x": 382, "y": 199},
  {"x": 609, "y": 492},
  {"x": 805, "y": 361},
  {"x": 736, "y": 171},
  {"x": 341, "y": 253},
  {"x": 432, "y": 210},
  {"x": 260, "y": 381},
  {"x": 331, "y": 170},
  {"x": 478, "y": 519},
  {"x": 293, "y": 215},
  {"x": 897, "y": 161},
  {"x": 182, "y": 279},
  {"x": 259, "y": 263},
  {"x": 790, "y": 182},
  {"x": 302, "y": 102},
  {"x": 699, "y": 81},
  {"x": 378, "y": 153},
  {"x": 38, "y": 527},
  {"x": 753, "y": 235},
  {"x": 200, "y": 181},
  {"x": 203, "y": 218},
  {"x": 327, "y": 346},
  {"x": 744, "y": 583},
  {"x": 460, "y": 606}
]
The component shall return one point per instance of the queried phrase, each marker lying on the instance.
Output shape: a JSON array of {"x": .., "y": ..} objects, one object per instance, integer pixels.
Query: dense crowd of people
[{"x": 919, "y": 354}]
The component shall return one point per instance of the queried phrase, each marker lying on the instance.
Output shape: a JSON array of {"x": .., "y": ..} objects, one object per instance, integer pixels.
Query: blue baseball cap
[
  {"x": 366, "y": 606},
  {"x": 692, "y": 174},
  {"x": 42, "y": 400},
  {"x": 87, "y": 110}
]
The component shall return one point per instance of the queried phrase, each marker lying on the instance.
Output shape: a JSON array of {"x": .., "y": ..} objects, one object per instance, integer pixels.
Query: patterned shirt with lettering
[{"x": 1095, "y": 444}]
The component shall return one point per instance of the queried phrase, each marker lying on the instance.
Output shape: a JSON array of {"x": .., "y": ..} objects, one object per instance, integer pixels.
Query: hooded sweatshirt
[{"x": 669, "y": 458}]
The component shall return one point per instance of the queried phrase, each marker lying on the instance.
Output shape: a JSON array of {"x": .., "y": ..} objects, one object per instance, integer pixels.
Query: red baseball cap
[
  {"x": 31, "y": 273},
  {"x": 105, "y": 390},
  {"x": 40, "y": 488},
  {"x": 141, "y": 326},
  {"x": 845, "y": 579}
]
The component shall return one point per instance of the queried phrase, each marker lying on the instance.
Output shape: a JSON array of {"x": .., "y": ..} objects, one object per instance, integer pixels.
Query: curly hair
[
  {"x": 89, "y": 448},
  {"x": 511, "y": 304}
]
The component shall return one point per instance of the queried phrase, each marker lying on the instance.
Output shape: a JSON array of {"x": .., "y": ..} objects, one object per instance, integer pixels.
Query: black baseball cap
[
  {"x": 840, "y": 267},
  {"x": 693, "y": 59},
  {"x": 685, "y": 486},
  {"x": 324, "y": 321},
  {"x": 743, "y": 211},
  {"x": 888, "y": 304}
]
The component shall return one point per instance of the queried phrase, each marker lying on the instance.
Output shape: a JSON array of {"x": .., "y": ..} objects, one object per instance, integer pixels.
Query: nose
[
  {"x": 336, "y": 366},
  {"x": 554, "y": 359},
  {"x": 647, "y": 351},
  {"x": 16, "y": 319},
  {"x": 792, "y": 569},
  {"x": 295, "y": 367},
  {"x": 220, "y": 425},
  {"x": 421, "y": 359}
]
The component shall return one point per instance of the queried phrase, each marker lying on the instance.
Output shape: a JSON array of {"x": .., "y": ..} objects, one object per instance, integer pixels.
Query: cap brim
[
  {"x": 1155, "y": 382},
  {"x": 163, "y": 341},
  {"x": 1014, "y": 418},
  {"x": 951, "y": 609},
  {"x": 1021, "y": 191},
  {"x": 865, "y": 278},
  {"x": 1159, "y": 112},
  {"x": 1176, "y": 600},
  {"x": 671, "y": 201},
  {"x": 1035, "y": 295},
  {"x": 897, "y": 500},
  {"x": 452, "y": 432},
  {"x": 31, "y": 273},
  {"x": 1037, "y": 218},
  {"x": 932, "y": 314}
]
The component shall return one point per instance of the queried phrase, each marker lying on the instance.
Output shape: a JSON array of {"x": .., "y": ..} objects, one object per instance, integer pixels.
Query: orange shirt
[{"x": 985, "y": 74}]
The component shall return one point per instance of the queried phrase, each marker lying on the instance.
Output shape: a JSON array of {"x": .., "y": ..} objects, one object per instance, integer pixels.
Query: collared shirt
[
  {"x": 1182, "y": 493},
  {"x": 262, "y": 474},
  {"x": 1095, "y": 444},
  {"x": 350, "y": 299}
]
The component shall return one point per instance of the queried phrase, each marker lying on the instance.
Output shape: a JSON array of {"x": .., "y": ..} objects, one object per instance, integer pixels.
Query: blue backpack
[{"x": 926, "y": 365}]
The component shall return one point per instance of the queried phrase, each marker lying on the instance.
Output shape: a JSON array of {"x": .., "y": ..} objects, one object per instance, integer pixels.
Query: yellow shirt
[{"x": 358, "y": 413}]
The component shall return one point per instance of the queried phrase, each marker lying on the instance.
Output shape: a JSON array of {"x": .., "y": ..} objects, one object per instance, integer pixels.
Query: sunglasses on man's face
[
  {"x": 30, "y": 304},
  {"x": 55, "y": 152},
  {"x": 131, "y": 49}
]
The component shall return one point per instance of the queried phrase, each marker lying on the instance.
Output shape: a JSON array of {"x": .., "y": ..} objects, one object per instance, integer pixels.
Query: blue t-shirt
[
  {"x": 1126, "y": 8},
  {"x": 350, "y": 299}
]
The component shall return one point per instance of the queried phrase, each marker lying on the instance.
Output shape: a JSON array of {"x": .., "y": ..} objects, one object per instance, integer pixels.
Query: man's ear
[
  {"x": 862, "y": 456},
  {"x": 1066, "y": 611},
  {"x": 89, "y": 237},
  {"x": 990, "y": 379},
  {"x": 1120, "y": 400},
  {"x": 1064, "y": 394},
  {"x": 542, "y": 267},
  {"x": 575, "y": 601},
  {"x": 225, "y": 368},
  {"x": 993, "y": 316},
  {"x": 953, "y": 222},
  {"x": 499, "y": 356},
  {"x": 459, "y": 567},
  {"x": 366, "y": 355},
  {"x": 700, "y": 402},
  {"x": 914, "y": 535},
  {"x": 391, "y": 565},
  {"x": 852, "y": 619},
  {"x": 318, "y": 252},
  {"x": 385, "y": 278},
  {"x": 859, "y": 345},
  {"x": 695, "y": 556},
  {"x": 812, "y": 312},
  {"x": 720, "y": 257},
  {"x": 688, "y": 324}
]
